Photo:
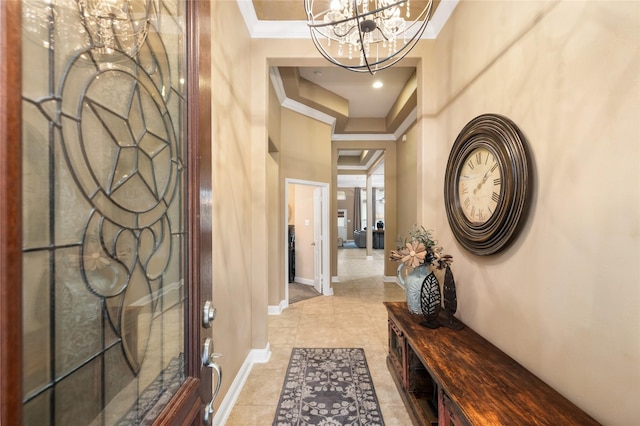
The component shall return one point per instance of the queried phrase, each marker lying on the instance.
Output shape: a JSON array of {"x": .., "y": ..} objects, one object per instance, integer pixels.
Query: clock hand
[{"x": 484, "y": 179}]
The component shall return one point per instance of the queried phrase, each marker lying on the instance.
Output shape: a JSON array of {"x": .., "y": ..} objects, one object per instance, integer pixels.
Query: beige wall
[
  {"x": 564, "y": 299},
  {"x": 274, "y": 121},
  {"x": 239, "y": 283},
  {"x": 407, "y": 188},
  {"x": 306, "y": 148},
  {"x": 276, "y": 210},
  {"x": 305, "y": 155},
  {"x": 347, "y": 205}
]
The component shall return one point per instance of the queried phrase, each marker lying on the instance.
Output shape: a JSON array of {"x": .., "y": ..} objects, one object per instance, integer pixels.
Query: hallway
[{"x": 353, "y": 317}]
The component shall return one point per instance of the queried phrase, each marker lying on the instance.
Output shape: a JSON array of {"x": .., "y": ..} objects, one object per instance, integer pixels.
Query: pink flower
[{"x": 412, "y": 255}]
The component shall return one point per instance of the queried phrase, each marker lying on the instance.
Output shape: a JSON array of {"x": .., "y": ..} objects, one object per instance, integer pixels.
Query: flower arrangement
[{"x": 420, "y": 249}]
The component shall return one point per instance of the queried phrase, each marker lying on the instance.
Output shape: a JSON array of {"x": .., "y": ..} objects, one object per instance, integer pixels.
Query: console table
[{"x": 448, "y": 377}]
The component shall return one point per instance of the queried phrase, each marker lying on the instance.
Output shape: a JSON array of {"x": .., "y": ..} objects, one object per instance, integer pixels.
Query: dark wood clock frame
[{"x": 503, "y": 139}]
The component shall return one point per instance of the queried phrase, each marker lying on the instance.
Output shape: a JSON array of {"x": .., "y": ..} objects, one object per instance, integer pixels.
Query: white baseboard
[
  {"x": 277, "y": 310},
  {"x": 300, "y": 280},
  {"x": 397, "y": 283},
  {"x": 388, "y": 279},
  {"x": 335, "y": 279},
  {"x": 328, "y": 291},
  {"x": 256, "y": 356},
  {"x": 261, "y": 356}
]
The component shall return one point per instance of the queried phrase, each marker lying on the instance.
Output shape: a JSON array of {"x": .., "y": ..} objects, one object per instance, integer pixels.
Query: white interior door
[
  {"x": 317, "y": 239},
  {"x": 342, "y": 224}
]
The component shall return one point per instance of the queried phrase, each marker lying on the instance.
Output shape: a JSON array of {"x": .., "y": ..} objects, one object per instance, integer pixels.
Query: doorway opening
[
  {"x": 361, "y": 203},
  {"x": 307, "y": 236}
]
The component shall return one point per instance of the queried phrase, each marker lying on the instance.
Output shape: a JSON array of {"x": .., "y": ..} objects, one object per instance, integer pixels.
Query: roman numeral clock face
[
  {"x": 487, "y": 184},
  {"x": 479, "y": 183}
]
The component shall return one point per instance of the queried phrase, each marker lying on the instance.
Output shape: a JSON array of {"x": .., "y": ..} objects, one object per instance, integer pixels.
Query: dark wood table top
[{"x": 488, "y": 386}]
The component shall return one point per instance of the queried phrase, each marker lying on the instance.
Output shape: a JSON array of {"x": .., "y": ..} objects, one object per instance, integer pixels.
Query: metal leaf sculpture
[
  {"x": 450, "y": 300},
  {"x": 449, "y": 292},
  {"x": 430, "y": 301}
]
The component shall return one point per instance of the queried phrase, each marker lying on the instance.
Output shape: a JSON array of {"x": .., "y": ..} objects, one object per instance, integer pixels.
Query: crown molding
[
  {"x": 307, "y": 111},
  {"x": 440, "y": 18},
  {"x": 363, "y": 137},
  {"x": 296, "y": 106},
  {"x": 363, "y": 167},
  {"x": 299, "y": 29}
]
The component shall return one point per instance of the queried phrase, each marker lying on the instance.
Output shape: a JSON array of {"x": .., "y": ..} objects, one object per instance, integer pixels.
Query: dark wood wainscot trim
[{"x": 456, "y": 377}]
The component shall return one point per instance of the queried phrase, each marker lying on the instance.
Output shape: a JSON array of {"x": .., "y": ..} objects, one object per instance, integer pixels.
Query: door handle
[{"x": 208, "y": 360}]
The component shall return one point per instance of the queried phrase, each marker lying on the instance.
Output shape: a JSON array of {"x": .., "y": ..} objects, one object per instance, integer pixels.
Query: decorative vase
[
  {"x": 412, "y": 285},
  {"x": 430, "y": 301}
]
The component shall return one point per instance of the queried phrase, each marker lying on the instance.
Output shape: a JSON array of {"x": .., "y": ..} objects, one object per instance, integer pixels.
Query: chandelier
[
  {"x": 107, "y": 25},
  {"x": 372, "y": 34},
  {"x": 117, "y": 24}
]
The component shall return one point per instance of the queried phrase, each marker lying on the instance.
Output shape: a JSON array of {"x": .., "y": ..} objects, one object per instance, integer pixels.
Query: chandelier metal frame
[
  {"x": 376, "y": 30},
  {"x": 117, "y": 25}
]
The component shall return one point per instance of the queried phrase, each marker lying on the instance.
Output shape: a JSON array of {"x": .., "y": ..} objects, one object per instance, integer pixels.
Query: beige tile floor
[{"x": 353, "y": 317}]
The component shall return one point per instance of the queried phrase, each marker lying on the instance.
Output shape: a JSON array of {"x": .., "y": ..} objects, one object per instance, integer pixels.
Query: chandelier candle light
[
  {"x": 110, "y": 27},
  {"x": 375, "y": 34},
  {"x": 117, "y": 24}
]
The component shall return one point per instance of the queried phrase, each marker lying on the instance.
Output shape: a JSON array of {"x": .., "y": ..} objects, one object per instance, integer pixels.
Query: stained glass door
[{"x": 108, "y": 176}]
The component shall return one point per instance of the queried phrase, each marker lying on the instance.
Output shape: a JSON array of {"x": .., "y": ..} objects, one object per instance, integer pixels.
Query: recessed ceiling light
[{"x": 377, "y": 84}]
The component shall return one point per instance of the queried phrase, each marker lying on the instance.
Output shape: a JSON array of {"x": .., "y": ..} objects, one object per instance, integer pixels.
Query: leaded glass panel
[{"x": 104, "y": 163}]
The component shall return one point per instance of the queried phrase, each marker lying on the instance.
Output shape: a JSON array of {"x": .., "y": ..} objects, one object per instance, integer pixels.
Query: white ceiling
[
  {"x": 360, "y": 181},
  {"x": 364, "y": 100}
]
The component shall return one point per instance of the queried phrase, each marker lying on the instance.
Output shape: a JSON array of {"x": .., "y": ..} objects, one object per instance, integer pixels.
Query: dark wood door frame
[
  {"x": 187, "y": 406},
  {"x": 10, "y": 215}
]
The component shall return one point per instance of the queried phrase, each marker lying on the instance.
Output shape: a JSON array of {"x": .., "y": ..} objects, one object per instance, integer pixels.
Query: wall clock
[{"x": 487, "y": 184}]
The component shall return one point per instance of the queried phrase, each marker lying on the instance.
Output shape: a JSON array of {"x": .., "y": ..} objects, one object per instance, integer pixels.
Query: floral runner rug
[{"x": 328, "y": 387}]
